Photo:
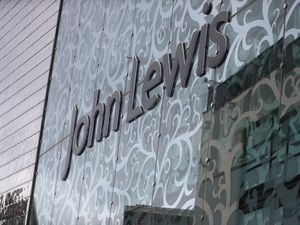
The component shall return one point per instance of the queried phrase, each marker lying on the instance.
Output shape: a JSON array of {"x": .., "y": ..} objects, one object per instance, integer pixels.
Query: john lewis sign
[{"x": 106, "y": 116}]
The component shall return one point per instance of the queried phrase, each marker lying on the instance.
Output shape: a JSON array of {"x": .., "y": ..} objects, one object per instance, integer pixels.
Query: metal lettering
[
  {"x": 219, "y": 38},
  {"x": 182, "y": 64},
  {"x": 66, "y": 169},
  {"x": 82, "y": 126},
  {"x": 202, "y": 51},
  {"x": 150, "y": 83},
  {"x": 132, "y": 111},
  {"x": 101, "y": 114},
  {"x": 114, "y": 100},
  {"x": 97, "y": 115}
]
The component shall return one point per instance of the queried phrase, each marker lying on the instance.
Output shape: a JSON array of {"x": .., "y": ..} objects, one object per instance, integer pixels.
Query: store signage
[{"x": 105, "y": 116}]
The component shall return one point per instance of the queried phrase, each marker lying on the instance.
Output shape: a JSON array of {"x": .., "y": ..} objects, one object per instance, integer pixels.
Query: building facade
[{"x": 155, "y": 112}]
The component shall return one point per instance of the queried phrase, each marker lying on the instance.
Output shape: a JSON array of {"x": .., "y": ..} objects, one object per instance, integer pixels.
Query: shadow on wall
[{"x": 13, "y": 207}]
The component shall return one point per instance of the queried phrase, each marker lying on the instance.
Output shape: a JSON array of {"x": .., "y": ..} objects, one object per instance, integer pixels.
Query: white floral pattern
[{"x": 154, "y": 161}]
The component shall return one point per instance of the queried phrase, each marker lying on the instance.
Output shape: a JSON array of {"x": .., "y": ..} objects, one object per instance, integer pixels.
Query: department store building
[{"x": 147, "y": 112}]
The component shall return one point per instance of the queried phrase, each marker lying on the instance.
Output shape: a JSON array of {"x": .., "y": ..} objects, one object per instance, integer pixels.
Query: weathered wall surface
[{"x": 27, "y": 31}]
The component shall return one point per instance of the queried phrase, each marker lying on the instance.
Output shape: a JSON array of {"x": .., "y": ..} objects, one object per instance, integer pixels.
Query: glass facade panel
[
  {"x": 241, "y": 162},
  {"x": 179, "y": 146},
  {"x": 287, "y": 183},
  {"x": 252, "y": 31},
  {"x": 134, "y": 181}
]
